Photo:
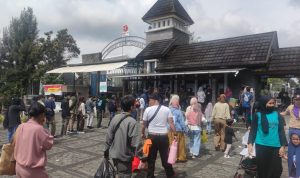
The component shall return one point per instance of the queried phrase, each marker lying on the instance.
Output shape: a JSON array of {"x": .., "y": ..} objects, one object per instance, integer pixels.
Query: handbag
[
  {"x": 173, "y": 152},
  {"x": 7, "y": 160},
  {"x": 105, "y": 170}
]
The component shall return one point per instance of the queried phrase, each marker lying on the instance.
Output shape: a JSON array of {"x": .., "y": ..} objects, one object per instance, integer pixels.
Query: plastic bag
[
  {"x": 173, "y": 152},
  {"x": 204, "y": 137},
  {"x": 105, "y": 170},
  {"x": 135, "y": 163}
]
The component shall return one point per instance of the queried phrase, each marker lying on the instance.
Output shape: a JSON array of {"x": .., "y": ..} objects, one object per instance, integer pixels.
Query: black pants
[
  {"x": 100, "y": 114},
  {"x": 269, "y": 163},
  {"x": 161, "y": 144},
  {"x": 123, "y": 168}
]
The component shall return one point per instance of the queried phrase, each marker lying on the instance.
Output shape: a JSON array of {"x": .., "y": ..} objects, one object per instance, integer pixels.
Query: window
[
  {"x": 152, "y": 67},
  {"x": 168, "y": 22},
  {"x": 158, "y": 25},
  {"x": 164, "y": 23},
  {"x": 154, "y": 25}
]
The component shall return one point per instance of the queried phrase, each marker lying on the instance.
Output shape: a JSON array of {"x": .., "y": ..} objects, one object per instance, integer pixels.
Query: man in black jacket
[
  {"x": 13, "y": 119},
  {"x": 65, "y": 114}
]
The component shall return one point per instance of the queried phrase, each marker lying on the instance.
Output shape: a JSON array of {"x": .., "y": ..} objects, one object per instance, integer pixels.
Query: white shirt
[
  {"x": 160, "y": 121},
  {"x": 82, "y": 108}
]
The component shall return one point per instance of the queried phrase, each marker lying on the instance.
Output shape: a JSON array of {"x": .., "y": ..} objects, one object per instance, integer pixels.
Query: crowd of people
[{"x": 163, "y": 118}]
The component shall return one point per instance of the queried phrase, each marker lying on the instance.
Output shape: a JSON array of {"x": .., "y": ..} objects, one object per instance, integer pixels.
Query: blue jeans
[
  {"x": 208, "y": 127},
  {"x": 11, "y": 132},
  {"x": 195, "y": 142}
]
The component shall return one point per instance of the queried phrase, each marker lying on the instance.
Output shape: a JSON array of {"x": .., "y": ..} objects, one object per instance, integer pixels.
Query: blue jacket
[{"x": 178, "y": 119}]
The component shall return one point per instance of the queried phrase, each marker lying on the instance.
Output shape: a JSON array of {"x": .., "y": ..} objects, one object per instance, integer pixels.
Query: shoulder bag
[
  {"x": 7, "y": 160},
  {"x": 149, "y": 121}
]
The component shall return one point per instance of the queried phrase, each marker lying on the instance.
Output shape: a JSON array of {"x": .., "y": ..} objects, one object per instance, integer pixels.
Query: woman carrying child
[{"x": 294, "y": 133}]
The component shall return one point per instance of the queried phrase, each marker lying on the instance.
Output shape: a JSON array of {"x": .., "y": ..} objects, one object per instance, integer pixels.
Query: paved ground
[{"x": 79, "y": 155}]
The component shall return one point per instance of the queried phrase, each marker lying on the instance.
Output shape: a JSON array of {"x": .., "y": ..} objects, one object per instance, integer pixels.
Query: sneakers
[
  {"x": 193, "y": 157},
  {"x": 227, "y": 156}
]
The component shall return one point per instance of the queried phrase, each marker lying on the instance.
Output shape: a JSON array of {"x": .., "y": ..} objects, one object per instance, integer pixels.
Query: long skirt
[
  {"x": 268, "y": 162},
  {"x": 181, "y": 152}
]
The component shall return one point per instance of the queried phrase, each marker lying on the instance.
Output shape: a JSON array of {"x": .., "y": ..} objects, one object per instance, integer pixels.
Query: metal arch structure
[{"x": 135, "y": 41}]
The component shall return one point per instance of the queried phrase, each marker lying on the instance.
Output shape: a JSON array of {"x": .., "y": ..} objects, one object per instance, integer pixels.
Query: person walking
[
  {"x": 220, "y": 114},
  {"x": 13, "y": 120},
  {"x": 112, "y": 108},
  {"x": 180, "y": 128},
  {"x": 160, "y": 117},
  {"x": 141, "y": 108},
  {"x": 229, "y": 133},
  {"x": 193, "y": 120},
  {"x": 65, "y": 114},
  {"x": 208, "y": 116},
  {"x": 50, "y": 114},
  {"x": 201, "y": 97},
  {"x": 246, "y": 101},
  {"x": 81, "y": 113},
  {"x": 90, "y": 112},
  {"x": 73, "y": 108},
  {"x": 122, "y": 138},
  {"x": 100, "y": 106},
  {"x": 267, "y": 132},
  {"x": 32, "y": 142}
]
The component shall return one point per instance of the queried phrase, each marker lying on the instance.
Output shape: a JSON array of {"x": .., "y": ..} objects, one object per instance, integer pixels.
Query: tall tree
[
  {"x": 21, "y": 55},
  {"x": 55, "y": 53},
  {"x": 25, "y": 58}
]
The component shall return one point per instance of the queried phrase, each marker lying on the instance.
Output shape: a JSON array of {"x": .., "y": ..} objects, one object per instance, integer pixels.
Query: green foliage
[{"x": 25, "y": 58}]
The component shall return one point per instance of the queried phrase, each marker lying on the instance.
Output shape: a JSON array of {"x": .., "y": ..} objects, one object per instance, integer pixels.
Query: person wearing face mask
[{"x": 267, "y": 132}]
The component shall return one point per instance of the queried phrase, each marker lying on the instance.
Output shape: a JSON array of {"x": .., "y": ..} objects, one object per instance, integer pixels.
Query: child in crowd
[
  {"x": 293, "y": 153},
  {"x": 229, "y": 133}
]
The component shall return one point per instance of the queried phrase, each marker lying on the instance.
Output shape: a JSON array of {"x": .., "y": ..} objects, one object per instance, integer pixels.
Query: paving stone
[{"x": 68, "y": 158}]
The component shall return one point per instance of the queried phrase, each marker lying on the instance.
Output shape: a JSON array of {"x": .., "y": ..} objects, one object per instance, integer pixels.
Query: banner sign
[
  {"x": 103, "y": 87},
  {"x": 55, "y": 89}
]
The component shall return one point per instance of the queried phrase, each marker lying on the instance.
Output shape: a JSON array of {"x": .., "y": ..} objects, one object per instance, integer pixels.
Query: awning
[
  {"x": 88, "y": 68},
  {"x": 220, "y": 71}
]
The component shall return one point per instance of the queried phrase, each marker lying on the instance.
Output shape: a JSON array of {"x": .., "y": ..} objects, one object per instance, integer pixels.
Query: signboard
[
  {"x": 55, "y": 89},
  {"x": 103, "y": 87}
]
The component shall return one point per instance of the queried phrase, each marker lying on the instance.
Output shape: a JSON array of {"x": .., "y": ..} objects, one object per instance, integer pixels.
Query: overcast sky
[{"x": 94, "y": 23}]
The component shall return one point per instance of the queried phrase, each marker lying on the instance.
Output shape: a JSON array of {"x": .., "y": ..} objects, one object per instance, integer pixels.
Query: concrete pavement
[{"x": 79, "y": 156}]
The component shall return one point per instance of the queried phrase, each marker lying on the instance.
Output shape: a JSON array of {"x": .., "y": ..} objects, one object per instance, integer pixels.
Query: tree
[
  {"x": 19, "y": 45},
  {"x": 25, "y": 58},
  {"x": 55, "y": 53}
]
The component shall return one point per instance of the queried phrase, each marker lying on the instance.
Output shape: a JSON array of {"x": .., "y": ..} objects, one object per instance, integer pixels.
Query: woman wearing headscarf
[
  {"x": 178, "y": 119},
  {"x": 208, "y": 116},
  {"x": 220, "y": 114},
  {"x": 32, "y": 142},
  {"x": 294, "y": 128},
  {"x": 193, "y": 120},
  {"x": 267, "y": 132},
  {"x": 201, "y": 97}
]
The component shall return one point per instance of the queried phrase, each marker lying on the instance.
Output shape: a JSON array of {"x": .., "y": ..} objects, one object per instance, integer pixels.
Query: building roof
[
  {"x": 285, "y": 61},
  {"x": 156, "y": 49},
  {"x": 167, "y": 7},
  {"x": 243, "y": 51}
]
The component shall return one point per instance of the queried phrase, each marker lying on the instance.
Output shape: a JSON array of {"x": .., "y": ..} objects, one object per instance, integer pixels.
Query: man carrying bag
[{"x": 122, "y": 138}]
